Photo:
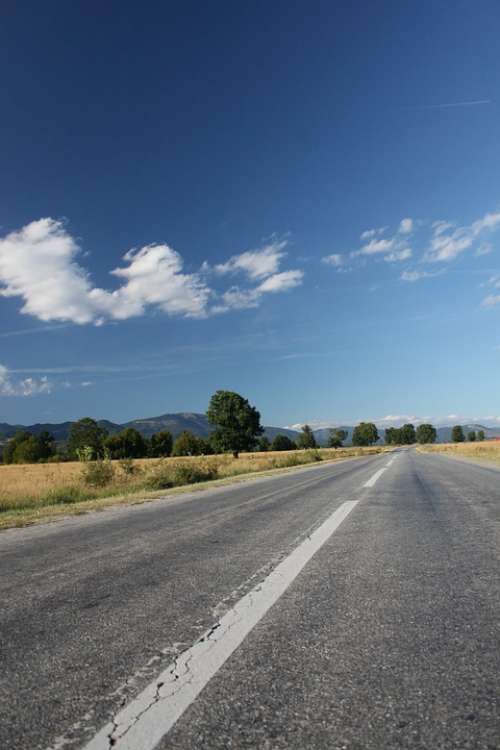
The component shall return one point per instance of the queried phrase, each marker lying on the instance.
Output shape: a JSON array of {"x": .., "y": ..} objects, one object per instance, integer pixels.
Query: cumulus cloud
[
  {"x": 25, "y": 387},
  {"x": 448, "y": 240},
  {"x": 393, "y": 248},
  {"x": 257, "y": 264},
  {"x": 39, "y": 264}
]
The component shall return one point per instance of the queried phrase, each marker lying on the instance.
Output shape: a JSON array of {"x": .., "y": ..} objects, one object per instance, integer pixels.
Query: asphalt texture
[{"x": 388, "y": 638}]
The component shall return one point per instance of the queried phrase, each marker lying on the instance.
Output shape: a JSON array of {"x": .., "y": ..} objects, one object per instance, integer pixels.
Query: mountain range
[{"x": 198, "y": 423}]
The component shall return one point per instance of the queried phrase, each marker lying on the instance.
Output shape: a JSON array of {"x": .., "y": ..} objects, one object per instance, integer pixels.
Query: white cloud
[
  {"x": 448, "y": 241},
  {"x": 417, "y": 275},
  {"x": 368, "y": 234},
  {"x": 25, "y": 387},
  {"x": 484, "y": 248},
  {"x": 393, "y": 419},
  {"x": 406, "y": 226},
  {"x": 257, "y": 264},
  {"x": 154, "y": 277},
  {"x": 374, "y": 247},
  {"x": 240, "y": 299},
  {"x": 281, "y": 282},
  {"x": 491, "y": 300},
  {"x": 334, "y": 260},
  {"x": 39, "y": 263},
  {"x": 398, "y": 255}
]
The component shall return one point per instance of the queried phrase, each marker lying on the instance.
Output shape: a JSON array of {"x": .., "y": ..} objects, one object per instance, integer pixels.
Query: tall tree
[
  {"x": 480, "y": 435},
  {"x": 263, "y": 444},
  {"x": 336, "y": 438},
  {"x": 86, "y": 433},
  {"x": 160, "y": 444},
  {"x": 471, "y": 436},
  {"x": 188, "y": 444},
  {"x": 457, "y": 434},
  {"x": 392, "y": 436},
  {"x": 407, "y": 434},
  {"x": 283, "y": 443},
  {"x": 365, "y": 433},
  {"x": 426, "y": 433},
  {"x": 129, "y": 443},
  {"x": 306, "y": 438},
  {"x": 237, "y": 423}
]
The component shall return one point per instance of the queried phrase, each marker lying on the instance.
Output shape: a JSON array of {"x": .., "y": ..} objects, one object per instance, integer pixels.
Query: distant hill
[
  {"x": 198, "y": 423},
  {"x": 174, "y": 423}
]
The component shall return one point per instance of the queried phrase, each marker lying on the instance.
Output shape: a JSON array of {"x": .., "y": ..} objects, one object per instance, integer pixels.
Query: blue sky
[{"x": 299, "y": 202}]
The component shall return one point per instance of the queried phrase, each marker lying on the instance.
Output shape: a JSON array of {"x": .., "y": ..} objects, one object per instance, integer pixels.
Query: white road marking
[
  {"x": 147, "y": 718},
  {"x": 374, "y": 478}
]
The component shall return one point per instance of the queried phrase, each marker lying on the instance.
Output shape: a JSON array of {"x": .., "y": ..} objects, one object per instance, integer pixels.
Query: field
[
  {"x": 34, "y": 492},
  {"x": 488, "y": 450}
]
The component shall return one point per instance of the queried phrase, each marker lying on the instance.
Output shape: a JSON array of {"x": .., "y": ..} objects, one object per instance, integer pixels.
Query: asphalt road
[{"x": 388, "y": 637}]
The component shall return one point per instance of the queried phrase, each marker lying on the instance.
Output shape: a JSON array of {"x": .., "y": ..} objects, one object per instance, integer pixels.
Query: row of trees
[
  {"x": 408, "y": 435},
  {"x": 458, "y": 436},
  {"x": 235, "y": 427}
]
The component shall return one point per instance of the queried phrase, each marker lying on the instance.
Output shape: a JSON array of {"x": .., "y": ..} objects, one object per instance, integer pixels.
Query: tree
[
  {"x": 10, "y": 448},
  {"x": 306, "y": 438},
  {"x": 336, "y": 438},
  {"x": 283, "y": 443},
  {"x": 161, "y": 444},
  {"x": 457, "y": 434},
  {"x": 471, "y": 436},
  {"x": 392, "y": 436},
  {"x": 47, "y": 444},
  {"x": 365, "y": 433},
  {"x": 205, "y": 447},
  {"x": 86, "y": 433},
  {"x": 426, "y": 433},
  {"x": 25, "y": 448},
  {"x": 27, "y": 451},
  {"x": 129, "y": 443},
  {"x": 237, "y": 423},
  {"x": 480, "y": 435},
  {"x": 407, "y": 434},
  {"x": 188, "y": 444},
  {"x": 263, "y": 444}
]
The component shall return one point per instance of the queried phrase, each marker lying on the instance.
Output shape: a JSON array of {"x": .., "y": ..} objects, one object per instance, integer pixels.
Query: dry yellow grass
[
  {"x": 35, "y": 492},
  {"x": 487, "y": 450}
]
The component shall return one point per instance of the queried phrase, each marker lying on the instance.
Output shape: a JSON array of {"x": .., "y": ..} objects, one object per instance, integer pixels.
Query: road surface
[{"x": 349, "y": 605}]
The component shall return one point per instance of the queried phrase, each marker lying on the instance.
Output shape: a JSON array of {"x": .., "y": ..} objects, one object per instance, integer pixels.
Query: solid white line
[
  {"x": 374, "y": 478},
  {"x": 152, "y": 714}
]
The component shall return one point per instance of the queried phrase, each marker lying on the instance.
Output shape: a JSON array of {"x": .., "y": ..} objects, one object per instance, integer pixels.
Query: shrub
[
  {"x": 313, "y": 455},
  {"x": 176, "y": 475},
  {"x": 65, "y": 496},
  {"x": 190, "y": 474},
  {"x": 98, "y": 473},
  {"x": 128, "y": 467}
]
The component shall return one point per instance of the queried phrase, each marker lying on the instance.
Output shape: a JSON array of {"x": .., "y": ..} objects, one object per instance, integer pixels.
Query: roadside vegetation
[
  {"x": 93, "y": 468},
  {"x": 33, "y": 492},
  {"x": 477, "y": 450}
]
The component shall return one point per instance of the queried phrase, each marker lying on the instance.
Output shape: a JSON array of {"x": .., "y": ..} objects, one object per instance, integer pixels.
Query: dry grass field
[
  {"x": 31, "y": 492},
  {"x": 488, "y": 450}
]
